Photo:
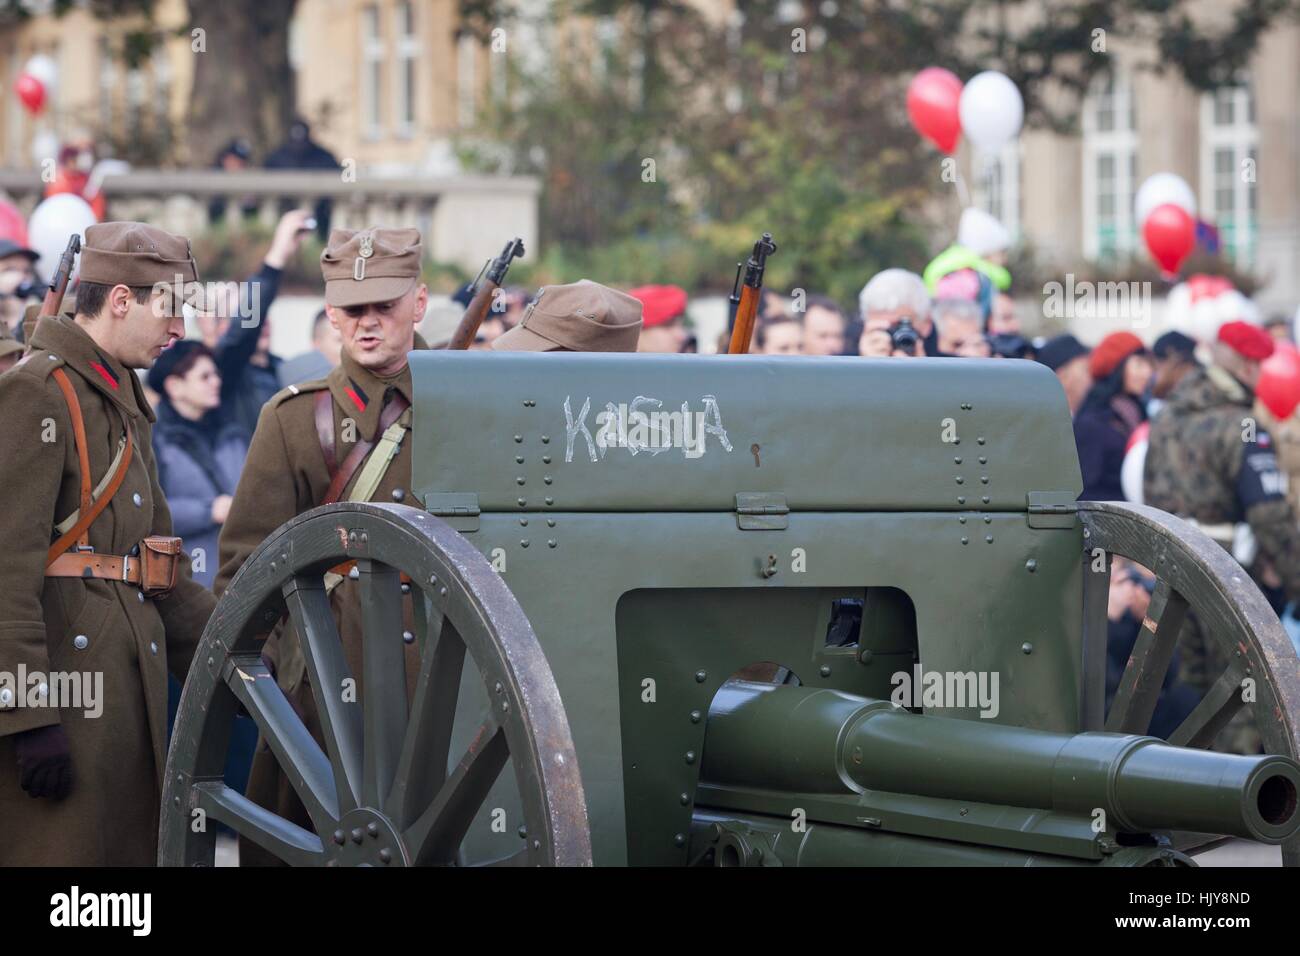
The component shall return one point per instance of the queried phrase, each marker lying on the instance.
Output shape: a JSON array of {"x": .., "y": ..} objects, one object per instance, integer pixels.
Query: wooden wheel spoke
[
  {"x": 427, "y": 619},
  {"x": 1211, "y": 715},
  {"x": 288, "y": 841},
  {"x": 1096, "y": 590},
  {"x": 1144, "y": 677},
  {"x": 422, "y": 766},
  {"x": 300, "y": 757},
  {"x": 327, "y": 670},
  {"x": 436, "y": 835},
  {"x": 384, "y": 676}
]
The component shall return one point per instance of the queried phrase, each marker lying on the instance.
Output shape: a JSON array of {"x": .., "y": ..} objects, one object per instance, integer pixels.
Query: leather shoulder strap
[
  {"x": 391, "y": 413},
  {"x": 90, "y": 510},
  {"x": 325, "y": 429},
  {"x": 78, "y": 435}
]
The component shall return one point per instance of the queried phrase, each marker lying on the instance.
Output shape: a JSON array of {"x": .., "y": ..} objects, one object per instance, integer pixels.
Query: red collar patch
[
  {"x": 102, "y": 367},
  {"x": 358, "y": 395}
]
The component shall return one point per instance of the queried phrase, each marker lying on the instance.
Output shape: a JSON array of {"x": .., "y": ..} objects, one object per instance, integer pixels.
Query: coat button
[
  {"x": 6, "y": 697},
  {"x": 399, "y": 494},
  {"x": 153, "y": 647},
  {"x": 81, "y": 642},
  {"x": 139, "y": 596},
  {"x": 135, "y": 551},
  {"x": 136, "y": 499}
]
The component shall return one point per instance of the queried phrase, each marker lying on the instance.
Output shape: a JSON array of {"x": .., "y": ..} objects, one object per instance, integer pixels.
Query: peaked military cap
[{"x": 370, "y": 265}]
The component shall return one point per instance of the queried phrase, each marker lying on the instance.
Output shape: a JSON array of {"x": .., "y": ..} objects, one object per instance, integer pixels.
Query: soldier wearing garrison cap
[
  {"x": 95, "y": 592},
  {"x": 346, "y": 437}
]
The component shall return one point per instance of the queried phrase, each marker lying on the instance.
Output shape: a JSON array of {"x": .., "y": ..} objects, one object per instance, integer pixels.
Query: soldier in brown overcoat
[
  {"x": 95, "y": 594},
  {"x": 374, "y": 298}
]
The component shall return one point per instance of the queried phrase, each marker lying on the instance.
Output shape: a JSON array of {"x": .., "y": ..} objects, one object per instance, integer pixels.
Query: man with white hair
[{"x": 889, "y": 298}]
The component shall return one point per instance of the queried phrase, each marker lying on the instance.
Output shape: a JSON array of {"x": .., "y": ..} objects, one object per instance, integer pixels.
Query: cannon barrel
[{"x": 802, "y": 739}]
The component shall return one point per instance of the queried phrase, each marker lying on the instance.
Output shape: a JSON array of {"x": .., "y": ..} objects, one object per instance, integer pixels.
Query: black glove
[{"x": 44, "y": 762}]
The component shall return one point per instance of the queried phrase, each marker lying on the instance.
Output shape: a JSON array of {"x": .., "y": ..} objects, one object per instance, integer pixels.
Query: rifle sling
[
  {"x": 90, "y": 508},
  {"x": 391, "y": 413}
]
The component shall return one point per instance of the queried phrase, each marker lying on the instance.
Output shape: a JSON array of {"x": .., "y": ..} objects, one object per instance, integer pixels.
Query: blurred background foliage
[{"x": 664, "y": 153}]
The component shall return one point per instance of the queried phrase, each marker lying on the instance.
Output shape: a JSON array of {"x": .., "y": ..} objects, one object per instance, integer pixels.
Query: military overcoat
[{"x": 106, "y": 629}]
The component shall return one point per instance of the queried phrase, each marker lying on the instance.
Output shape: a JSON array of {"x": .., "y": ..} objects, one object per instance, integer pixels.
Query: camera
[
  {"x": 904, "y": 336},
  {"x": 27, "y": 289},
  {"x": 1009, "y": 345}
]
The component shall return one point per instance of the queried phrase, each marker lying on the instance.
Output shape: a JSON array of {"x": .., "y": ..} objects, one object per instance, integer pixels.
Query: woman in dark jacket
[
  {"x": 199, "y": 454},
  {"x": 199, "y": 459},
  {"x": 1111, "y": 411}
]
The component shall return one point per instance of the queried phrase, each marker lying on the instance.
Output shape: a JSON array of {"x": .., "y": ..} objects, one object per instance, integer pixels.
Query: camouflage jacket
[{"x": 1210, "y": 459}]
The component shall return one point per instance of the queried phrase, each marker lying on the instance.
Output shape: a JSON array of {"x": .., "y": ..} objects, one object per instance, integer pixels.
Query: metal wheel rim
[
  {"x": 1195, "y": 572},
  {"x": 377, "y": 789}
]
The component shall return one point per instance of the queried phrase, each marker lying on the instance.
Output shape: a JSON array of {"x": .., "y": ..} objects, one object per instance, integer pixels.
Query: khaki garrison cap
[
  {"x": 136, "y": 254},
  {"x": 583, "y": 316},
  {"x": 370, "y": 265}
]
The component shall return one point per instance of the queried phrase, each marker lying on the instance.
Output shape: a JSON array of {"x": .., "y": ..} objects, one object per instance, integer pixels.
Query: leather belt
[{"x": 110, "y": 567}]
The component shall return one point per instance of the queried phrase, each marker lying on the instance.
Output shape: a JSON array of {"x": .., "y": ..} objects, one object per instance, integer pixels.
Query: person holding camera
[{"x": 895, "y": 311}]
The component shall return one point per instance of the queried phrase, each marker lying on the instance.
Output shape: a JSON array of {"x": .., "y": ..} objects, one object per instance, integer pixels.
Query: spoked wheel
[
  {"x": 382, "y": 791},
  {"x": 1192, "y": 573}
]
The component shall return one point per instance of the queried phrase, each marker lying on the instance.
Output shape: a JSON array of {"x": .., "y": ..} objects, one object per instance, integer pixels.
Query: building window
[
  {"x": 408, "y": 52},
  {"x": 997, "y": 186},
  {"x": 1229, "y": 138},
  {"x": 466, "y": 84},
  {"x": 372, "y": 68},
  {"x": 1109, "y": 168}
]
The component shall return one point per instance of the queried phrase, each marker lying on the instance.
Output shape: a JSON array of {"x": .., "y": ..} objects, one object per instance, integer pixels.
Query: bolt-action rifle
[
  {"x": 746, "y": 293},
  {"x": 489, "y": 280},
  {"x": 59, "y": 285}
]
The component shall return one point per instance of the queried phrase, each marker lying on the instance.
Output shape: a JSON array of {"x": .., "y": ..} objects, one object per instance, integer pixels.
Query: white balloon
[
  {"x": 991, "y": 110},
  {"x": 52, "y": 224},
  {"x": 1160, "y": 189},
  {"x": 45, "y": 146},
  {"x": 44, "y": 69}
]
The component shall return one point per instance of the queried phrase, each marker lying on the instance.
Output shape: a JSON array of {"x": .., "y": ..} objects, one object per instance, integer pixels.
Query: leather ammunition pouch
[{"x": 160, "y": 558}]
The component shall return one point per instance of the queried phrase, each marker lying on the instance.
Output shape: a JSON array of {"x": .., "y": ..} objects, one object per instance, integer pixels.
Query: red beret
[
  {"x": 659, "y": 303},
  {"x": 1249, "y": 341},
  {"x": 1112, "y": 351}
]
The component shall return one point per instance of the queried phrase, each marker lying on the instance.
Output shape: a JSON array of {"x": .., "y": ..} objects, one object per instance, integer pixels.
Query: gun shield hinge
[
  {"x": 1051, "y": 509},
  {"x": 762, "y": 511},
  {"x": 458, "y": 508}
]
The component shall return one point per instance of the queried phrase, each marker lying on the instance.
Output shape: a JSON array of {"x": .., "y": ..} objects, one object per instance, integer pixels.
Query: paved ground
[{"x": 1242, "y": 853}]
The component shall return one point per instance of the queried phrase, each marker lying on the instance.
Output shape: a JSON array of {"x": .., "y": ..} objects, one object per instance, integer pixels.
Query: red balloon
[
  {"x": 12, "y": 224},
  {"x": 1279, "y": 381},
  {"x": 1170, "y": 234},
  {"x": 932, "y": 99},
  {"x": 32, "y": 92}
]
